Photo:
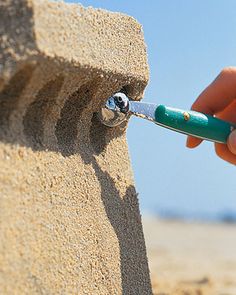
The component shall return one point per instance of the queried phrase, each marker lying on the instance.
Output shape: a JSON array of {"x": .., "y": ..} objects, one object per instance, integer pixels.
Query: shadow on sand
[{"x": 76, "y": 132}]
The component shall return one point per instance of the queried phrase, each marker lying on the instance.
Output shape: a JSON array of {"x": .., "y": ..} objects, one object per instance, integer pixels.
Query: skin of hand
[{"x": 219, "y": 100}]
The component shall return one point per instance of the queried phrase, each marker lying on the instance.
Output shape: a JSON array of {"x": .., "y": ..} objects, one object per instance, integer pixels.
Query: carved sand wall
[{"x": 69, "y": 213}]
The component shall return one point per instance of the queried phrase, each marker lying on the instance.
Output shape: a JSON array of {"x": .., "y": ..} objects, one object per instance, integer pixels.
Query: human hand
[{"x": 219, "y": 99}]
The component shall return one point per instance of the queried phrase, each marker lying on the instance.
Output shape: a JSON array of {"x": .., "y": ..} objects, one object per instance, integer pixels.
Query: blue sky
[{"x": 188, "y": 43}]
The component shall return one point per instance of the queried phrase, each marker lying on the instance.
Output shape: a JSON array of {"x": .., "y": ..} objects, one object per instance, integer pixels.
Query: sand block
[{"x": 69, "y": 214}]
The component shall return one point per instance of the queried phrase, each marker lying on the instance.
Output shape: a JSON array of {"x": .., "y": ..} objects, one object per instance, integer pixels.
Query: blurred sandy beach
[{"x": 191, "y": 258}]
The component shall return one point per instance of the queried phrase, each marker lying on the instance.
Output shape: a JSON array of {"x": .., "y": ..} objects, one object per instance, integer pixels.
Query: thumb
[{"x": 231, "y": 142}]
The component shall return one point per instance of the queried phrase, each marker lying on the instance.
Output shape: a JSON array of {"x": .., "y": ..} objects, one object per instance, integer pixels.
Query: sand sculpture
[{"x": 69, "y": 214}]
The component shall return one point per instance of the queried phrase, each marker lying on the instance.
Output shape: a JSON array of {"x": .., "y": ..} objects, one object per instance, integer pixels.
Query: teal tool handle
[{"x": 194, "y": 123}]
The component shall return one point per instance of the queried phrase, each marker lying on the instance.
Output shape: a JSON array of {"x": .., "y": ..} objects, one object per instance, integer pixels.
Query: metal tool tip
[{"x": 115, "y": 111}]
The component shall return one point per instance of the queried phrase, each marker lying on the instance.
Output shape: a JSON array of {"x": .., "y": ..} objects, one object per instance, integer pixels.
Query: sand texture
[
  {"x": 69, "y": 213},
  {"x": 191, "y": 259}
]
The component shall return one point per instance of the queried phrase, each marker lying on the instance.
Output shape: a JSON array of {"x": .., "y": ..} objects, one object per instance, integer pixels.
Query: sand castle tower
[{"x": 69, "y": 214}]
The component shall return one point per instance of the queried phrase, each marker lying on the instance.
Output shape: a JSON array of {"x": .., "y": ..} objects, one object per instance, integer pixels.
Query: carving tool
[{"x": 119, "y": 108}]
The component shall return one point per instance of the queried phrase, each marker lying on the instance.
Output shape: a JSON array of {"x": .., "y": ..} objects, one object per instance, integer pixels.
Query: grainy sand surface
[
  {"x": 191, "y": 258},
  {"x": 69, "y": 212}
]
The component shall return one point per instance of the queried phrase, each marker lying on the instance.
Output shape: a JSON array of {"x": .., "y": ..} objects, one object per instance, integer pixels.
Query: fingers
[
  {"x": 229, "y": 113},
  {"x": 224, "y": 153},
  {"x": 215, "y": 98},
  {"x": 219, "y": 94},
  {"x": 232, "y": 142},
  {"x": 193, "y": 142},
  {"x": 228, "y": 153}
]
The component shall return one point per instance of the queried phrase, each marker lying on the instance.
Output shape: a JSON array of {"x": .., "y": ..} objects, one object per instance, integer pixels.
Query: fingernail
[{"x": 232, "y": 142}]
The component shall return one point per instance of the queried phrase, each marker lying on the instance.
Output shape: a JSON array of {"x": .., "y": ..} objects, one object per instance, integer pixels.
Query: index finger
[
  {"x": 215, "y": 98},
  {"x": 219, "y": 94}
]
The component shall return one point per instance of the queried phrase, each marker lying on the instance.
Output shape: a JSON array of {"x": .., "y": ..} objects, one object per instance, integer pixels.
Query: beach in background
[{"x": 191, "y": 258}]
